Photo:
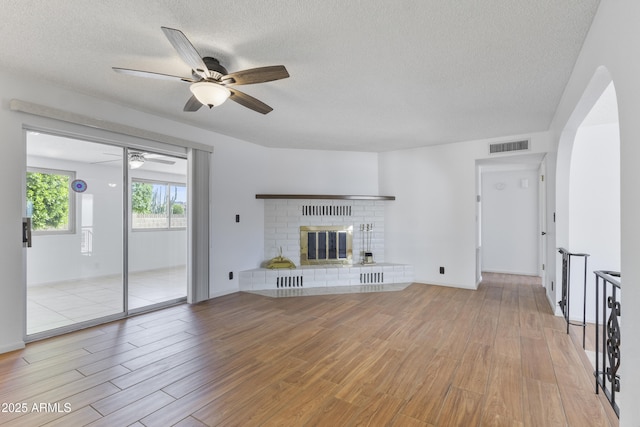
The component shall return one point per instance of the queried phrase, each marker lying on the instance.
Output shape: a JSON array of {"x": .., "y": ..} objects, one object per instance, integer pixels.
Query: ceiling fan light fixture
[
  {"x": 211, "y": 94},
  {"x": 136, "y": 160}
]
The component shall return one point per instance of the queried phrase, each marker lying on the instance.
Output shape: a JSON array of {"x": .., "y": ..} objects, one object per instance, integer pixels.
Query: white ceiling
[{"x": 371, "y": 75}]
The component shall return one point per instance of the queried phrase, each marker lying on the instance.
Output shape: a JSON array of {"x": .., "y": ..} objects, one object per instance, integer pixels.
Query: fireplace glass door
[{"x": 326, "y": 245}]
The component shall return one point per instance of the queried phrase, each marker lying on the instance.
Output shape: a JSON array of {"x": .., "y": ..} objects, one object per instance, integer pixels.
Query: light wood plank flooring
[{"x": 424, "y": 356}]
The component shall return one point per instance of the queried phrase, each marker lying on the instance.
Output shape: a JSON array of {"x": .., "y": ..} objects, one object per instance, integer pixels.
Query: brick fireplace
[{"x": 285, "y": 216}]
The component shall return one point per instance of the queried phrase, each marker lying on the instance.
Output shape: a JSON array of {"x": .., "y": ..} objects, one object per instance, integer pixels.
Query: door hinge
[{"x": 542, "y": 267}]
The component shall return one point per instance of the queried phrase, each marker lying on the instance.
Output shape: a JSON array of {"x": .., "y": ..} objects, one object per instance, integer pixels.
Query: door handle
[{"x": 26, "y": 232}]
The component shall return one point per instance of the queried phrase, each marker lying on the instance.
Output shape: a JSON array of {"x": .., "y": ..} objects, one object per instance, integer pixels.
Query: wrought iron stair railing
[
  {"x": 565, "y": 298},
  {"x": 607, "y": 358}
]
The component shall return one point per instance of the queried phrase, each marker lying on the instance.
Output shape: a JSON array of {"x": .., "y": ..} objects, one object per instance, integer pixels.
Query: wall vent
[
  {"x": 289, "y": 282},
  {"x": 324, "y": 210},
  {"x": 367, "y": 278},
  {"x": 504, "y": 147}
]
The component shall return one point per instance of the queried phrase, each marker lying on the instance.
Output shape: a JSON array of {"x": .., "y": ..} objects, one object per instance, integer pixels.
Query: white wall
[
  {"x": 432, "y": 223},
  {"x": 321, "y": 172},
  {"x": 594, "y": 209},
  {"x": 610, "y": 51},
  {"x": 510, "y": 222}
]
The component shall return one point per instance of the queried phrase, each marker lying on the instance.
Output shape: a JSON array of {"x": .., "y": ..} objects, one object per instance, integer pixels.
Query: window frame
[
  {"x": 71, "y": 200},
  {"x": 168, "y": 185}
]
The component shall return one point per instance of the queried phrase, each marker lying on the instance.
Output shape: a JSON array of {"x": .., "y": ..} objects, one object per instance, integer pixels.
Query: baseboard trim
[
  {"x": 515, "y": 273},
  {"x": 223, "y": 293},
  {"x": 19, "y": 345},
  {"x": 446, "y": 285}
]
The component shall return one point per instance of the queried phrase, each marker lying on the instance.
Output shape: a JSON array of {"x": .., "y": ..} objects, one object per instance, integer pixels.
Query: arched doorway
[{"x": 588, "y": 214}]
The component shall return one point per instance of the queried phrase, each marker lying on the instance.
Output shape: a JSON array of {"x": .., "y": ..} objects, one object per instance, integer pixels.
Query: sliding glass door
[
  {"x": 106, "y": 232},
  {"x": 157, "y": 231},
  {"x": 74, "y": 200}
]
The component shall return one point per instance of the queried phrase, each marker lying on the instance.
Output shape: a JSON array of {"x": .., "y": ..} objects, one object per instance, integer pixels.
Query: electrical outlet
[
  {"x": 231, "y": 275},
  {"x": 237, "y": 218},
  {"x": 441, "y": 270}
]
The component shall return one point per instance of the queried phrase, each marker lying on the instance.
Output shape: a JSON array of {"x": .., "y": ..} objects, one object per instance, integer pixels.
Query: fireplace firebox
[{"x": 326, "y": 245}]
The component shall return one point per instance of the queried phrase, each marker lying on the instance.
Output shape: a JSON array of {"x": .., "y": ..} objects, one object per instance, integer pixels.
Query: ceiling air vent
[{"x": 504, "y": 147}]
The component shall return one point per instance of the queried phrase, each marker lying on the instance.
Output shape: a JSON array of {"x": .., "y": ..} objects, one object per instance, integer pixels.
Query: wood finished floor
[{"x": 425, "y": 356}]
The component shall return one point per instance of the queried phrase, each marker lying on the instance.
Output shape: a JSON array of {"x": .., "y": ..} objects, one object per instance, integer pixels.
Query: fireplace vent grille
[
  {"x": 289, "y": 282},
  {"x": 366, "y": 278},
  {"x": 324, "y": 210}
]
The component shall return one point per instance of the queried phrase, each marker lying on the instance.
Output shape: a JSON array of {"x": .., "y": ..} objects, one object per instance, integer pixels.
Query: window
[
  {"x": 49, "y": 201},
  {"x": 158, "y": 205}
]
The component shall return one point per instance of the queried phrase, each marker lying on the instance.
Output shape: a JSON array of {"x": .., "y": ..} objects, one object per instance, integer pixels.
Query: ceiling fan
[
  {"x": 137, "y": 159},
  {"x": 211, "y": 84}
]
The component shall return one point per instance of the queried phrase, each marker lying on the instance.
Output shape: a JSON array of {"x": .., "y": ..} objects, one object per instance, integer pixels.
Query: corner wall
[
  {"x": 594, "y": 210},
  {"x": 612, "y": 43},
  {"x": 433, "y": 221}
]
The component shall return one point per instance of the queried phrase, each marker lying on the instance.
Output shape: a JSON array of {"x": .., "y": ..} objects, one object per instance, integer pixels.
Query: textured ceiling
[{"x": 371, "y": 75}]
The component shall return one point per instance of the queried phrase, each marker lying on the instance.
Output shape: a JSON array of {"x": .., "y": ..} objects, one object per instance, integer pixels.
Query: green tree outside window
[
  {"x": 48, "y": 196},
  {"x": 141, "y": 195}
]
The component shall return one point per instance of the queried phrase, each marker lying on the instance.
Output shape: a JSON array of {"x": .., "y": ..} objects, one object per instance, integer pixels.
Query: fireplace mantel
[{"x": 323, "y": 197}]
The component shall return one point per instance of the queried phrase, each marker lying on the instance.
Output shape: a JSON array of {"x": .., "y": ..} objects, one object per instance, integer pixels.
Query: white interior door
[{"x": 542, "y": 203}]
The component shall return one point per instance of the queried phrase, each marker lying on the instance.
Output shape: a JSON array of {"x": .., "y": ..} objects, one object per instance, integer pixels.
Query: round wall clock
[{"x": 79, "y": 186}]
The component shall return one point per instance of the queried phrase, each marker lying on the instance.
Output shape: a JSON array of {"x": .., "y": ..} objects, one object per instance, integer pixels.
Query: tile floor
[{"x": 65, "y": 303}]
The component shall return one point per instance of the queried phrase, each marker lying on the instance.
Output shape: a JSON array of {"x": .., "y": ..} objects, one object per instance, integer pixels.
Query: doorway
[
  {"x": 107, "y": 228},
  {"x": 511, "y": 229}
]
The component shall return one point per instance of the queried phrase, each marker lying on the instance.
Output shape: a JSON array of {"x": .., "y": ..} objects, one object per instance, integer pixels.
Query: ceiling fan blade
[
  {"x": 249, "y": 101},
  {"x": 256, "y": 75},
  {"x": 151, "y": 75},
  {"x": 192, "y": 104},
  {"x": 103, "y": 161},
  {"x": 164, "y": 162},
  {"x": 187, "y": 52}
]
